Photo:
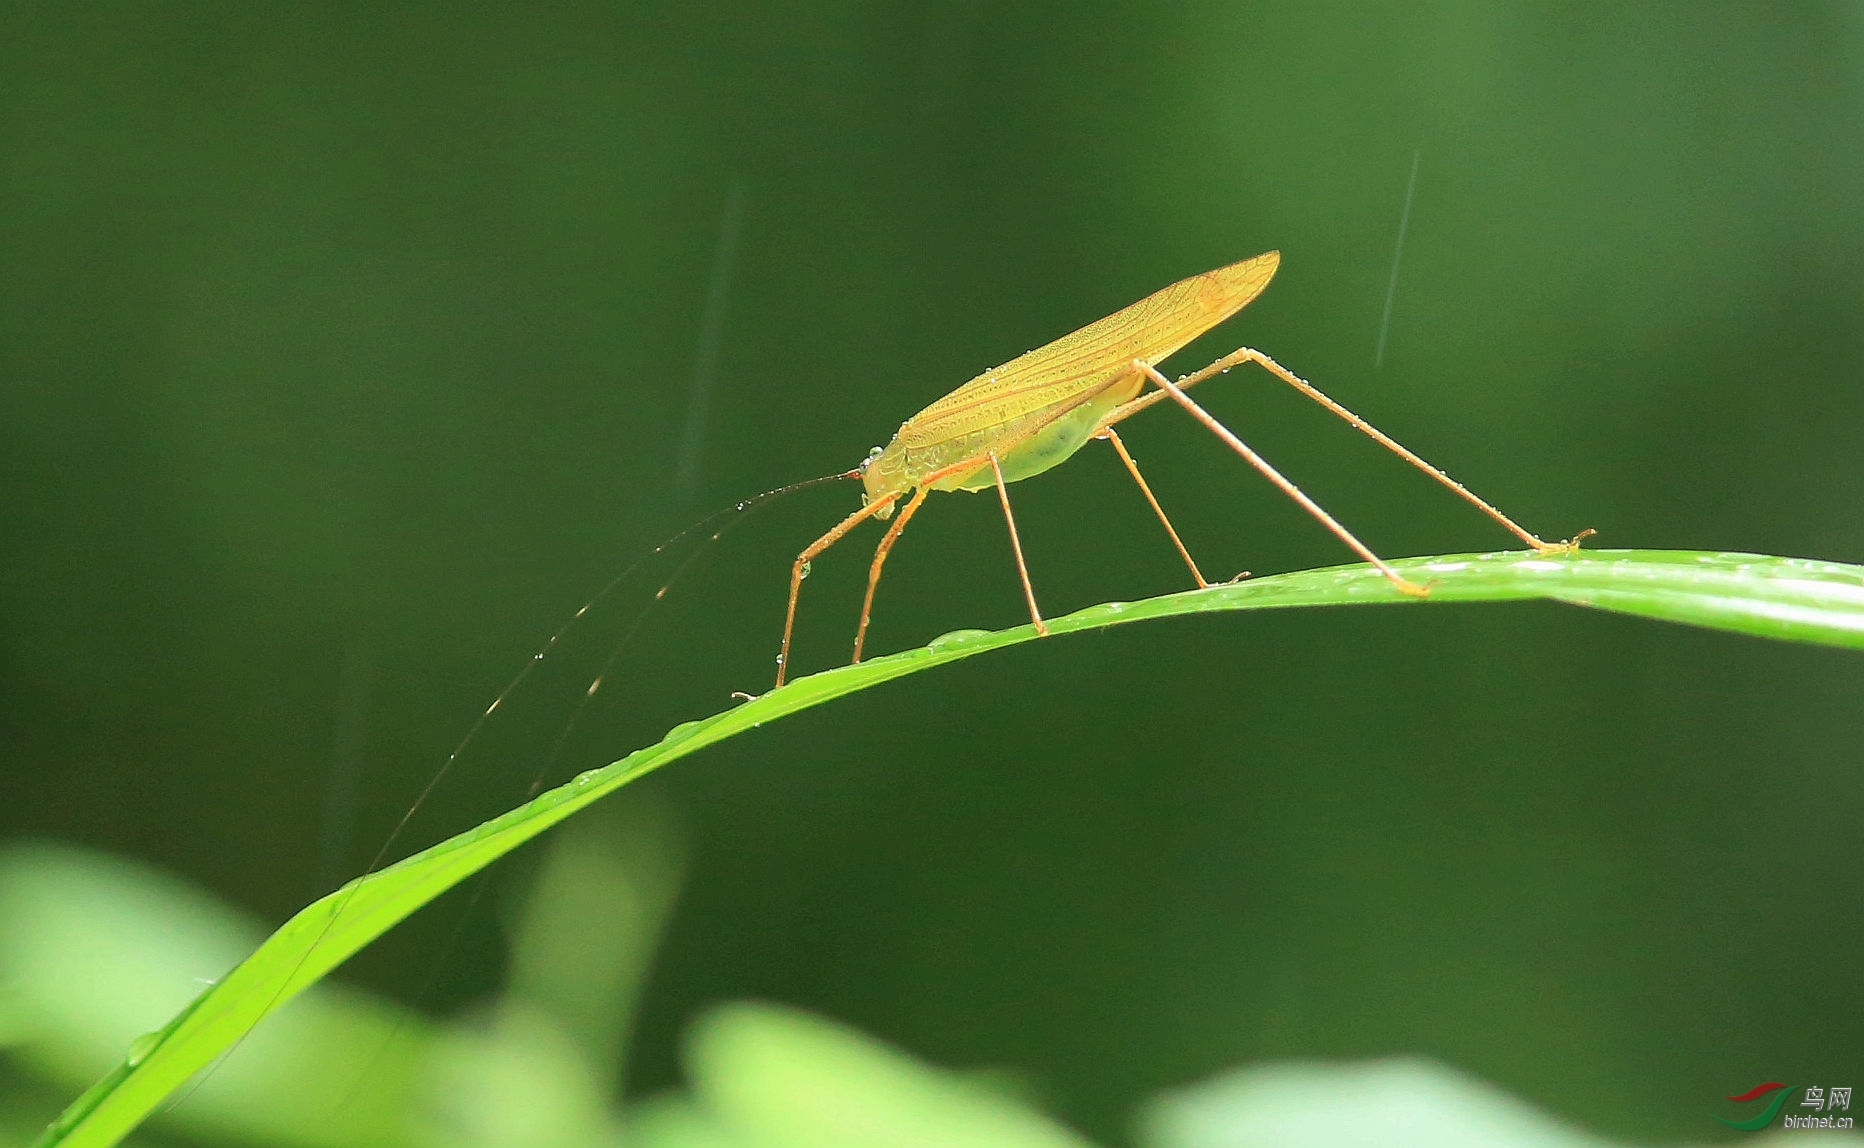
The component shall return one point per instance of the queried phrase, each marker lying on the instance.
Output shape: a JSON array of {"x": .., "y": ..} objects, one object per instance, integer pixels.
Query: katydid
[{"x": 1033, "y": 412}]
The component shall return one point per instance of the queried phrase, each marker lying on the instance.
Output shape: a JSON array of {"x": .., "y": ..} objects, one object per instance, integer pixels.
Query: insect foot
[{"x": 1570, "y": 546}]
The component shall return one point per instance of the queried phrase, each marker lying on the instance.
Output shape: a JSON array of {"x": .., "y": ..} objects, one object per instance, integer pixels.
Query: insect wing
[{"x": 1072, "y": 368}]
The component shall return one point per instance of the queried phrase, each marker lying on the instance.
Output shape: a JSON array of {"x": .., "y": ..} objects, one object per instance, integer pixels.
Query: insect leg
[
  {"x": 803, "y": 560},
  {"x": 1569, "y": 546},
  {"x": 880, "y": 558},
  {"x": 1016, "y": 544},
  {"x": 1133, "y": 467},
  {"x": 1249, "y": 355},
  {"x": 1127, "y": 410},
  {"x": 1275, "y": 476}
]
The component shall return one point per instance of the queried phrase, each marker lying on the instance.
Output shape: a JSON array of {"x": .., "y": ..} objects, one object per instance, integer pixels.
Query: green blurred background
[{"x": 346, "y": 350}]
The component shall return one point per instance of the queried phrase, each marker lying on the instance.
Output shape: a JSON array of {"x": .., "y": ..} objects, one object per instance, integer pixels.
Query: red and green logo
[{"x": 1765, "y": 1116}]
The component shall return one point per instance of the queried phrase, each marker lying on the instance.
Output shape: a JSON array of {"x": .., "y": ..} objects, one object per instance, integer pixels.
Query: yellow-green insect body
[{"x": 1038, "y": 409}]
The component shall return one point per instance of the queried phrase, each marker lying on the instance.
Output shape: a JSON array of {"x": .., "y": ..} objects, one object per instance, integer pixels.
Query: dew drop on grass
[
  {"x": 1104, "y": 610},
  {"x": 683, "y": 730},
  {"x": 141, "y": 1047},
  {"x": 955, "y": 638}
]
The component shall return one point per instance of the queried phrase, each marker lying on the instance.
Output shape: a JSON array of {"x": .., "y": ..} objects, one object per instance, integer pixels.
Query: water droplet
[
  {"x": 742, "y": 505},
  {"x": 803, "y": 570},
  {"x": 141, "y": 1047},
  {"x": 956, "y": 638},
  {"x": 1106, "y": 610},
  {"x": 779, "y": 659}
]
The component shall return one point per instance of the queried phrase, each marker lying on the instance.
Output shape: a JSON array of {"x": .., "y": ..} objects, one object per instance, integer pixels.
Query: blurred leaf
[
  {"x": 1773, "y": 597},
  {"x": 585, "y": 940},
  {"x": 1397, "y": 1103},
  {"x": 517, "y": 1080},
  {"x": 675, "y": 1120},
  {"x": 1390, "y": 1104},
  {"x": 779, "y": 1078},
  {"x": 95, "y": 950}
]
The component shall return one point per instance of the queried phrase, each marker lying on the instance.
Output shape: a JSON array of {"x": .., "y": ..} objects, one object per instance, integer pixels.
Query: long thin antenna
[
  {"x": 716, "y": 524},
  {"x": 1391, "y": 288}
]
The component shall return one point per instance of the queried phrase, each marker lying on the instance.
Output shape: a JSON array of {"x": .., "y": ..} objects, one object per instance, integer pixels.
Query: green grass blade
[{"x": 1772, "y": 597}]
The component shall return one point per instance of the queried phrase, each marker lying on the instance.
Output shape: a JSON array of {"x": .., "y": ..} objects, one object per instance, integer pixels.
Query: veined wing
[{"x": 1076, "y": 365}]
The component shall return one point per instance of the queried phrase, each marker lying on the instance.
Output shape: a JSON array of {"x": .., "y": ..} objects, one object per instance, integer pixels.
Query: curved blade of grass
[{"x": 1772, "y": 597}]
